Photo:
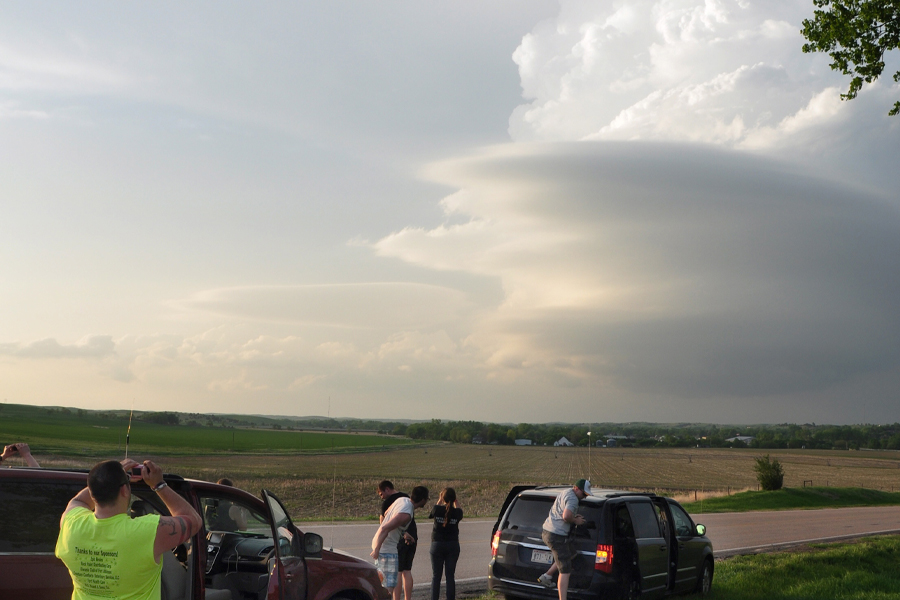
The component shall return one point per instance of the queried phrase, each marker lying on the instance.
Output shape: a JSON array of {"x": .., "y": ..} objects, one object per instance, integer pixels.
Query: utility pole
[{"x": 589, "y": 454}]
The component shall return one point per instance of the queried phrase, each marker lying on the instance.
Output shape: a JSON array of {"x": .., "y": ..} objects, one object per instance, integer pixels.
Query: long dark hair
[{"x": 448, "y": 497}]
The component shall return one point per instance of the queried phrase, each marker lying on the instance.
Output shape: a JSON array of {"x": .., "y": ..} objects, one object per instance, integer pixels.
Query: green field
[{"x": 89, "y": 434}]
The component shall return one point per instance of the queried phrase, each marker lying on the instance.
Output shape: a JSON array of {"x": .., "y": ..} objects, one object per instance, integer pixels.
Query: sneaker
[{"x": 546, "y": 580}]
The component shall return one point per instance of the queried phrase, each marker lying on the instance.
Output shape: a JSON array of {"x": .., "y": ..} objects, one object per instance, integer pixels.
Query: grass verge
[
  {"x": 793, "y": 499},
  {"x": 863, "y": 570}
]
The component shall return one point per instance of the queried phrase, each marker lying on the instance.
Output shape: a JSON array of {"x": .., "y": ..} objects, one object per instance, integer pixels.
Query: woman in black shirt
[{"x": 445, "y": 542}]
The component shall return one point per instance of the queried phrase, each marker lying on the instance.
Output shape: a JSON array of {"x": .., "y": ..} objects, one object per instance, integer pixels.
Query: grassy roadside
[
  {"x": 865, "y": 569},
  {"x": 793, "y": 499}
]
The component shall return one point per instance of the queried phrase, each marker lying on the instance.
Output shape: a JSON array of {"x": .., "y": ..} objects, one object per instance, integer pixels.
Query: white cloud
[
  {"x": 392, "y": 305},
  {"x": 724, "y": 72},
  {"x": 94, "y": 346},
  {"x": 12, "y": 110},
  {"x": 47, "y": 65}
]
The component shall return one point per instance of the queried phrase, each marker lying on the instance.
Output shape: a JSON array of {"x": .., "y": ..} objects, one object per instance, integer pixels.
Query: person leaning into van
[
  {"x": 111, "y": 555},
  {"x": 445, "y": 542},
  {"x": 563, "y": 514}
]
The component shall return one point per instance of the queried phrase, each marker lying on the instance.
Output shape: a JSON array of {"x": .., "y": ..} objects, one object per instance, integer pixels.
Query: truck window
[
  {"x": 225, "y": 513},
  {"x": 29, "y": 521}
]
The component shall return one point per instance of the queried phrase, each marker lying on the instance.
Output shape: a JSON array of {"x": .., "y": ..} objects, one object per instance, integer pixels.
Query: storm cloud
[{"x": 673, "y": 268}]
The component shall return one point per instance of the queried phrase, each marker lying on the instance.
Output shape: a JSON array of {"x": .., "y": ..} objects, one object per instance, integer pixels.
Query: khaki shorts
[{"x": 563, "y": 549}]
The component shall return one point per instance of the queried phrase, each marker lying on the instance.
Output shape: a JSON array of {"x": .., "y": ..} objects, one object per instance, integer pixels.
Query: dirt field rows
[{"x": 341, "y": 486}]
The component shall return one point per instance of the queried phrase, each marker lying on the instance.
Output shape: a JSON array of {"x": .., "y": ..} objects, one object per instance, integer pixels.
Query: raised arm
[
  {"x": 184, "y": 522},
  {"x": 81, "y": 500},
  {"x": 22, "y": 450},
  {"x": 25, "y": 453}
]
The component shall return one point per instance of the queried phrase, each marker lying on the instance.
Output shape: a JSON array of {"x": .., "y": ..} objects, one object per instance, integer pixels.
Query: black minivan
[{"x": 631, "y": 545}]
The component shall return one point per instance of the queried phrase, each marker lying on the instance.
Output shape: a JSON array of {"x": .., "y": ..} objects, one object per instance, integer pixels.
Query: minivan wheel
[{"x": 704, "y": 583}]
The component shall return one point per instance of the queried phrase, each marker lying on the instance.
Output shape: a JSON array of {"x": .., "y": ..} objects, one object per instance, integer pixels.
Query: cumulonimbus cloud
[
  {"x": 671, "y": 268},
  {"x": 725, "y": 72}
]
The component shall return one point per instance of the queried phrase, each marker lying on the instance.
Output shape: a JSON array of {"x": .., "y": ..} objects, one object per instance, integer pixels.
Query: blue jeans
[{"x": 444, "y": 553}]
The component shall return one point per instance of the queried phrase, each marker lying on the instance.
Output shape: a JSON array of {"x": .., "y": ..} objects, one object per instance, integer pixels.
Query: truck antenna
[{"x": 128, "y": 433}]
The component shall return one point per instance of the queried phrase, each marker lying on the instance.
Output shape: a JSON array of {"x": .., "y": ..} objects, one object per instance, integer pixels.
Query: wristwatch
[{"x": 159, "y": 486}]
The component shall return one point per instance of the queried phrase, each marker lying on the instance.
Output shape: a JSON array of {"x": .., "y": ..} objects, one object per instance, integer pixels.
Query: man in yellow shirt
[{"x": 109, "y": 554}]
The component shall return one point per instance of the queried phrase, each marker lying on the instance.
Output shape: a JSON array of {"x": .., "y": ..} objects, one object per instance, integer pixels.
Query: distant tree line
[
  {"x": 638, "y": 434},
  {"x": 683, "y": 435}
]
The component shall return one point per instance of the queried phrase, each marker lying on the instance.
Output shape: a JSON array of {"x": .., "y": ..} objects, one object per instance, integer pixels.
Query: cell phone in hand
[{"x": 137, "y": 471}]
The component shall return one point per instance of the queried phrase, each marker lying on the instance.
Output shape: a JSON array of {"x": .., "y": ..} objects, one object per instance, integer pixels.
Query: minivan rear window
[
  {"x": 530, "y": 512},
  {"x": 29, "y": 519}
]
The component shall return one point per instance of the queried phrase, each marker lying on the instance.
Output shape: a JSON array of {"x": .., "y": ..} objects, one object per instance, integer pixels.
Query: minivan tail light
[
  {"x": 495, "y": 543},
  {"x": 604, "y": 560}
]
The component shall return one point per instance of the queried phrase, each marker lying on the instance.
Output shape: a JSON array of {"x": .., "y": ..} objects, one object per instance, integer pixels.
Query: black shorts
[{"x": 405, "y": 554}]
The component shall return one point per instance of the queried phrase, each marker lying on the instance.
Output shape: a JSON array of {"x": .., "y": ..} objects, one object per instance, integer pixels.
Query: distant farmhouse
[
  {"x": 563, "y": 442},
  {"x": 523, "y": 442}
]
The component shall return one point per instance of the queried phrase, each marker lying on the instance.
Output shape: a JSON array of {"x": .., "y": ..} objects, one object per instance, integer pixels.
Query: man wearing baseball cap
[{"x": 556, "y": 535}]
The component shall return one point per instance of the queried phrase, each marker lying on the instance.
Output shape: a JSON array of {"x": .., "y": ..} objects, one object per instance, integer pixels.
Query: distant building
[
  {"x": 746, "y": 439},
  {"x": 613, "y": 440},
  {"x": 523, "y": 442},
  {"x": 563, "y": 442},
  {"x": 477, "y": 439}
]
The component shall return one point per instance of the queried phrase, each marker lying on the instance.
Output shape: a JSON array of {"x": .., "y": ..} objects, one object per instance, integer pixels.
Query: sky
[{"x": 508, "y": 211}]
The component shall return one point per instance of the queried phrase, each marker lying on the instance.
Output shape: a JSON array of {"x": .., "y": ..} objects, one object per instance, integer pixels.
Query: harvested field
[{"x": 342, "y": 486}]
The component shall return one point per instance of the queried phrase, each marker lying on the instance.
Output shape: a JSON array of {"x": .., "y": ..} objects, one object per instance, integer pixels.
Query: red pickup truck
[{"x": 248, "y": 549}]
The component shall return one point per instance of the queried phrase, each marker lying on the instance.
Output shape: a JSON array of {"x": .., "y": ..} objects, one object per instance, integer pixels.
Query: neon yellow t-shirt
[{"x": 110, "y": 558}]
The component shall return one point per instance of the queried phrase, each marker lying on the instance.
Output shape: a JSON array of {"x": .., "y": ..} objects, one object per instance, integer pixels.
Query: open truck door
[{"x": 287, "y": 569}]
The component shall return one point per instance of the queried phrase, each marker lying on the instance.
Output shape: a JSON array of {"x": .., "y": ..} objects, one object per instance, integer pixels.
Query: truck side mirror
[
  {"x": 701, "y": 529},
  {"x": 312, "y": 544}
]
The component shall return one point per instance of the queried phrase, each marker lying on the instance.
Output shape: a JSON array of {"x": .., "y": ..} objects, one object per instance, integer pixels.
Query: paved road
[
  {"x": 731, "y": 534},
  {"x": 743, "y": 533}
]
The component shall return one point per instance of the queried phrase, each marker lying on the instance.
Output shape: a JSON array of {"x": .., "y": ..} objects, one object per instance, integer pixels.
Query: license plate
[{"x": 542, "y": 556}]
